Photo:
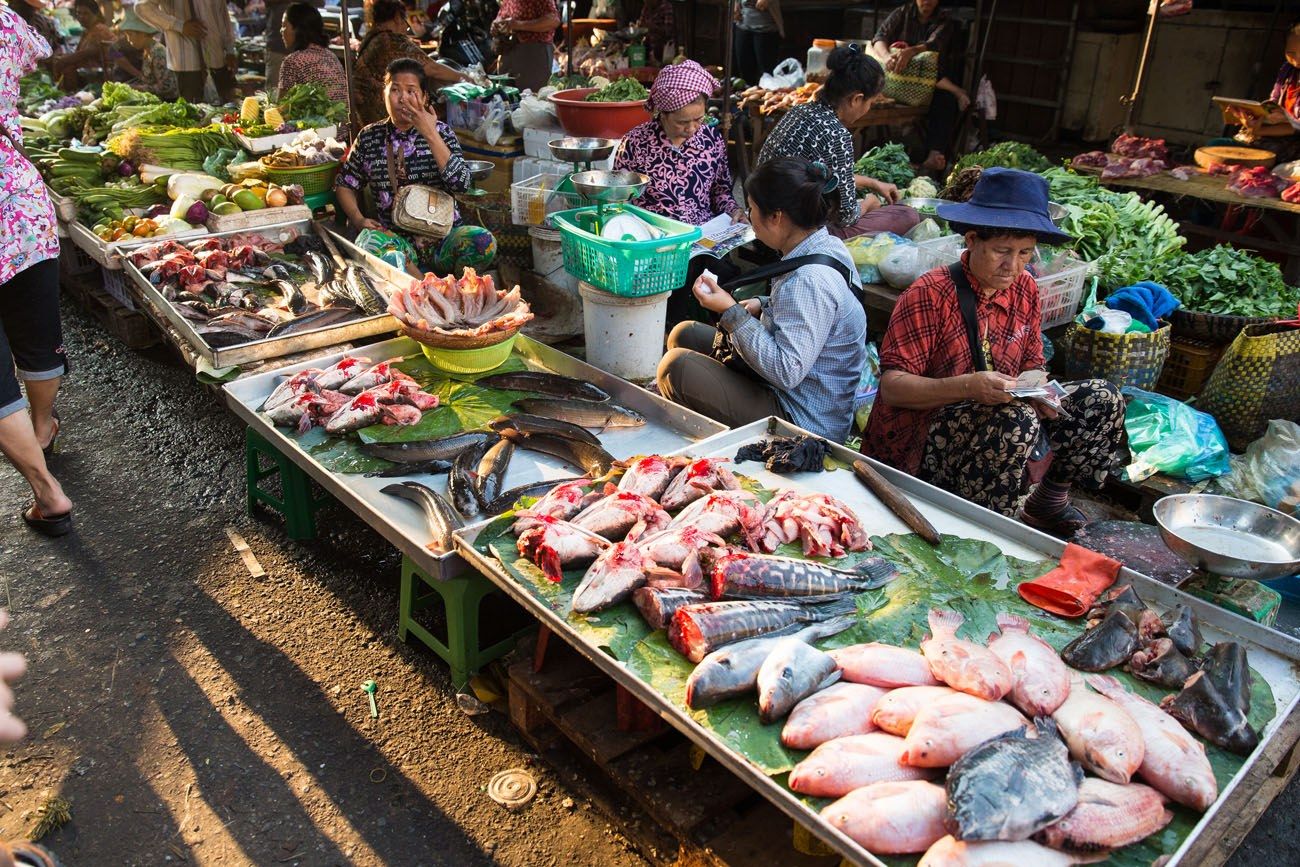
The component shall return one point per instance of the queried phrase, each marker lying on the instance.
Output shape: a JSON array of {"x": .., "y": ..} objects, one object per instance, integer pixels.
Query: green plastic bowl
[{"x": 469, "y": 360}]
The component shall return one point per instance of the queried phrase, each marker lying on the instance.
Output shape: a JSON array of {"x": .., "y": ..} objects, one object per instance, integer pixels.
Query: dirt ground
[{"x": 191, "y": 713}]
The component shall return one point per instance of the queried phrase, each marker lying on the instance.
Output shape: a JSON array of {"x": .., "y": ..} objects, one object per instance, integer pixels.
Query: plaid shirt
[
  {"x": 927, "y": 337},
  {"x": 810, "y": 343}
]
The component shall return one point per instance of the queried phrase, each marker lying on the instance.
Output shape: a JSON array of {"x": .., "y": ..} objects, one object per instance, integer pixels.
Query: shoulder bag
[{"x": 418, "y": 208}]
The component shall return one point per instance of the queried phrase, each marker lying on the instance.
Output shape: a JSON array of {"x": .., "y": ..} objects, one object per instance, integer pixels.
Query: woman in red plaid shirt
[{"x": 944, "y": 413}]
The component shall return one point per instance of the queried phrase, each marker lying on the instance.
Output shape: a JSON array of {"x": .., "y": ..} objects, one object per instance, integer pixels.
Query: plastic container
[
  {"x": 821, "y": 49},
  {"x": 548, "y": 255},
  {"x": 475, "y": 360},
  {"x": 628, "y": 268},
  {"x": 115, "y": 285},
  {"x": 1188, "y": 367},
  {"x": 1061, "y": 294},
  {"x": 533, "y": 200},
  {"x": 625, "y": 336},
  {"x": 939, "y": 252},
  {"x": 596, "y": 119}
]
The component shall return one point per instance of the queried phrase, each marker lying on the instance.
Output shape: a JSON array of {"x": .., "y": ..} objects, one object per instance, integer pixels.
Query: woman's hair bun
[{"x": 843, "y": 58}]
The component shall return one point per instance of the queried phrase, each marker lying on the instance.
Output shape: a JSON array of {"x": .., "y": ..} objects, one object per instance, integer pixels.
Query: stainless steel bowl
[
  {"x": 609, "y": 187},
  {"x": 480, "y": 170},
  {"x": 1229, "y": 537},
  {"x": 926, "y": 206},
  {"x": 573, "y": 149},
  {"x": 1056, "y": 212}
]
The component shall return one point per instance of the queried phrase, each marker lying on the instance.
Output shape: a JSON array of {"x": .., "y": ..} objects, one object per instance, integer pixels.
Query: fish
[
  {"x": 697, "y": 630},
  {"x": 1108, "y": 816},
  {"x": 1182, "y": 628},
  {"x": 540, "y": 382},
  {"x": 491, "y": 471},
  {"x": 425, "y": 468},
  {"x": 1101, "y": 735},
  {"x": 697, "y": 479},
  {"x": 724, "y": 513},
  {"x": 650, "y": 475},
  {"x": 791, "y": 673},
  {"x": 365, "y": 410},
  {"x": 563, "y": 501},
  {"x": 291, "y": 297},
  {"x": 1104, "y": 646},
  {"x": 587, "y": 414},
  {"x": 1039, "y": 679},
  {"x": 825, "y": 526},
  {"x": 732, "y": 670},
  {"x": 658, "y": 604},
  {"x": 291, "y": 388},
  {"x": 405, "y": 391},
  {"x": 527, "y": 425},
  {"x": 948, "y": 728},
  {"x": 884, "y": 665},
  {"x": 1012, "y": 786},
  {"x": 504, "y": 501},
  {"x": 895, "y": 818},
  {"x": 739, "y": 575},
  {"x": 1123, "y": 599},
  {"x": 897, "y": 709},
  {"x": 678, "y": 549},
  {"x": 951, "y": 852},
  {"x": 1227, "y": 666},
  {"x": 346, "y": 368},
  {"x": 221, "y": 336},
  {"x": 460, "y": 482},
  {"x": 300, "y": 413},
  {"x": 362, "y": 291},
  {"x": 418, "y": 451},
  {"x": 1160, "y": 663},
  {"x": 839, "y": 710},
  {"x": 622, "y": 514},
  {"x": 618, "y": 571},
  {"x": 379, "y": 374},
  {"x": 319, "y": 266},
  {"x": 592, "y": 460},
  {"x": 324, "y": 318},
  {"x": 839, "y": 766},
  {"x": 1205, "y": 708},
  {"x": 438, "y": 513},
  {"x": 554, "y": 544},
  {"x": 1173, "y": 761},
  {"x": 963, "y": 665}
]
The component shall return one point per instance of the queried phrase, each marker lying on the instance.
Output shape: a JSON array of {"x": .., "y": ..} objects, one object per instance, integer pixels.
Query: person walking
[{"x": 200, "y": 40}]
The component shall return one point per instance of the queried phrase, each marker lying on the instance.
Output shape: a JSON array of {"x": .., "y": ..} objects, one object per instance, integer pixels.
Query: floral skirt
[
  {"x": 465, "y": 247},
  {"x": 981, "y": 453}
]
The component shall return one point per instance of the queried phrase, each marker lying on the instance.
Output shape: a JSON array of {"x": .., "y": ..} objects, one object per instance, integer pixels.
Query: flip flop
[
  {"x": 52, "y": 525},
  {"x": 49, "y": 448},
  {"x": 1063, "y": 526}
]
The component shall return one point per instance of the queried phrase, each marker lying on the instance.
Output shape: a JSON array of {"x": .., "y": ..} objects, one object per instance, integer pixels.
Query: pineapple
[
  {"x": 273, "y": 117},
  {"x": 250, "y": 111}
]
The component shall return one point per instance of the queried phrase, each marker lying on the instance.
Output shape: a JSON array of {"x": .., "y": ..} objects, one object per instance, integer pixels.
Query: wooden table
[{"x": 880, "y": 115}]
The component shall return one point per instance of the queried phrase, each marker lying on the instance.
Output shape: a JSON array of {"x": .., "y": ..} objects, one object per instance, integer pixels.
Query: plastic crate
[
  {"x": 533, "y": 200},
  {"x": 627, "y": 268},
  {"x": 74, "y": 261},
  {"x": 1061, "y": 293},
  {"x": 1188, "y": 367},
  {"x": 939, "y": 252},
  {"x": 115, "y": 285}
]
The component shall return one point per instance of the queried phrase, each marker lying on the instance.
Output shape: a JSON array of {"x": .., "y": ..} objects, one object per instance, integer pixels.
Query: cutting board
[{"x": 1234, "y": 156}]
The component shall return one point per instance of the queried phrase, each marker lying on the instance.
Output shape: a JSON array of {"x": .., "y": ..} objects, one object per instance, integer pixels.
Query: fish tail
[
  {"x": 839, "y": 608},
  {"x": 1103, "y": 683},
  {"x": 877, "y": 572},
  {"x": 1008, "y": 622},
  {"x": 945, "y": 621}
]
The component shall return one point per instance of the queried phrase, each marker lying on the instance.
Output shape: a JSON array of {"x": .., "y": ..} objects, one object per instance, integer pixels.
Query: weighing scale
[
  {"x": 479, "y": 170},
  {"x": 595, "y": 186}
]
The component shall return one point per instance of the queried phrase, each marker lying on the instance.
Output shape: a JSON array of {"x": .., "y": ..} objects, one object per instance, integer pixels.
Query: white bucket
[
  {"x": 625, "y": 336},
  {"x": 548, "y": 257}
]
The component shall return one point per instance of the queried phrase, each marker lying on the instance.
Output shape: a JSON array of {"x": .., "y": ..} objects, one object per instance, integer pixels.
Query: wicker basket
[
  {"x": 313, "y": 179},
  {"x": 447, "y": 341},
  {"x": 1124, "y": 359},
  {"x": 1210, "y": 327}
]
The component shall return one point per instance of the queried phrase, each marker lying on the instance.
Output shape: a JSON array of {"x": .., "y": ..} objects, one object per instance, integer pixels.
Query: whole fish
[
  {"x": 291, "y": 296},
  {"x": 362, "y": 291},
  {"x": 506, "y": 500},
  {"x": 540, "y": 382},
  {"x": 365, "y": 410},
  {"x": 1108, "y": 816},
  {"x": 697, "y": 630},
  {"x": 588, "y": 414},
  {"x": 346, "y": 368},
  {"x": 884, "y": 665},
  {"x": 554, "y": 544},
  {"x": 658, "y": 604},
  {"x": 320, "y": 267},
  {"x": 418, "y": 451},
  {"x": 383, "y": 372},
  {"x": 1039, "y": 679},
  {"x": 951, "y": 852},
  {"x": 732, "y": 670},
  {"x": 948, "y": 728},
  {"x": 1207, "y": 710},
  {"x": 529, "y": 425},
  {"x": 1012, "y": 786},
  {"x": 792, "y": 672},
  {"x": 618, "y": 571},
  {"x": 1101, "y": 735},
  {"x": 396, "y": 471},
  {"x": 324, "y": 318},
  {"x": 1160, "y": 663},
  {"x": 592, "y": 460},
  {"x": 1172, "y": 760},
  {"x": 563, "y": 501},
  {"x": 839, "y": 766},
  {"x": 438, "y": 513},
  {"x": 229, "y": 334},
  {"x": 461, "y": 482},
  {"x": 897, "y": 709},
  {"x": 491, "y": 470},
  {"x": 897, "y": 818},
  {"x": 1106, "y": 645},
  {"x": 1182, "y": 628},
  {"x": 837, "y": 711},
  {"x": 696, "y": 479},
  {"x": 963, "y": 665},
  {"x": 650, "y": 475},
  {"x": 724, "y": 513},
  {"x": 679, "y": 549},
  {"x": 622, "y": 514},
  {"x": 739, "y": 575},
  {"x": 1227, "y": 665}
]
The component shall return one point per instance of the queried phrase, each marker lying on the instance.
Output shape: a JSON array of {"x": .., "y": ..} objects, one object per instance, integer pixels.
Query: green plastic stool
[
  {"x": 461, "y": 598},
  {"x": 299, "y": 504}
]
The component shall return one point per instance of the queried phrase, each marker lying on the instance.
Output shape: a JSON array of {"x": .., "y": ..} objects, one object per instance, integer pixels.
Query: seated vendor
[
  {"x": 799, "y": 352},
  {"x": 1279, "y": 130},
  {"x": 943, "y": 412},
  {"x": 144, "y": 66},
  {"x": 94, "y": 50},
  {"x": 819, "y": 131},
  {"x": 411, "y": 147}
]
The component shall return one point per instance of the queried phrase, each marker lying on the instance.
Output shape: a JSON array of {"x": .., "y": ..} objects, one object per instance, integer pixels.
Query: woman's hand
[
  {"x": 739, "y": 216},
  {"x": 711, "y": 296},
  {"x": 988, "y": 387},
  {"x": 365, "y": 223},
  {"x": 423, "y": 116},
  {"x": 888, "y": 191},
  {"x": 898, "y": 60},
  {"x": 753, "y": 307},
  {"x": 962, "y": 97}
]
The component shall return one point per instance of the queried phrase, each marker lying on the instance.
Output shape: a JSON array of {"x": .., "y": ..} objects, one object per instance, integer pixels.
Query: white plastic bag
[
  {"x": 788, "y": 73},
  {"x": 494, "y": 122},
  {"x": 1269, "y": 472},
  {"x": 900, "y": 266},
  {"x": 535, "y": 112}
]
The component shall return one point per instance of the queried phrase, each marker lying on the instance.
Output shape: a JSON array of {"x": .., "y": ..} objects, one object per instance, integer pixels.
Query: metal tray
[
  {"x": 1274, "y": 655},
  {"x": 257, "y": 350},
  {"x": 668, "y": 427}
]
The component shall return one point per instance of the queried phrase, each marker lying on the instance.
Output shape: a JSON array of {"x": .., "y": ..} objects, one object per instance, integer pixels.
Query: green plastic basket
[
  {"x": 627, "y": 268},
  {"x": 313, "y": 179}
]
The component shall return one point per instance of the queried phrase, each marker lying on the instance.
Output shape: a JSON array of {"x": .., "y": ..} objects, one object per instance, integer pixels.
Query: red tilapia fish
[
  {"x": 837, "y": 711},
  {"x": 1101, "y": 735},
  {"x": 963, "y": 665},
  {"x": 839, "y": 766},
  {"x": 1108, "y": 816},
  {"x": 405, "y": 391},
  {"x": 1040, "y": 681},
  {"x": 739, "y": 575},
  {"x": 365, "y": 410},
  {"x": 554, "y": 544},
  {"x": 563, "y": 501},
  {"x": 826, "y": 526},
  {"x": 697, "y": 630},
  {"x": 885, "y": 665},
  {"x": 697, "y": 479},
  {"x": 895, "y": 818},
  {"x": 650, "y": 475}
]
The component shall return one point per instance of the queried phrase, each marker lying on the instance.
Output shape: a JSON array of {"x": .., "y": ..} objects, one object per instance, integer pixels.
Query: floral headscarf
[{"x": 679, "y": 85}]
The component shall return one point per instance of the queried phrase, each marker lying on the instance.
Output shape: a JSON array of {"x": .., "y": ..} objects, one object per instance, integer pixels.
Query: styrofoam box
[{"x": 536, "y": 140}]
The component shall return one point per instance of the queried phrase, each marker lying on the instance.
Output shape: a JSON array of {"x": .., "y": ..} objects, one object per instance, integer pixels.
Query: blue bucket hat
[{"x": 1008, "y": 199}]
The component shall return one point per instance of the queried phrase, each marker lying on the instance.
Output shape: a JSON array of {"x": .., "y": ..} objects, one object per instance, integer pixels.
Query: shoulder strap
[
  {"x": 392, "y": 172},
  {"x": 966, "y": 303},
  {"x": 785, "y": 266}
]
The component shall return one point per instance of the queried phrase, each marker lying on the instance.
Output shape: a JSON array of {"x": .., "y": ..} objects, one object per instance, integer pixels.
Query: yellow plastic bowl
[{"x": 469, "y": 360}]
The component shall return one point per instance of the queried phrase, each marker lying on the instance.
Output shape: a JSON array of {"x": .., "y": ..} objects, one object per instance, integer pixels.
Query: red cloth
[
  {"x": 1070, "y": 589},
  {"x": 927, "y": 337},
  {"x": 529, "y": 10}
]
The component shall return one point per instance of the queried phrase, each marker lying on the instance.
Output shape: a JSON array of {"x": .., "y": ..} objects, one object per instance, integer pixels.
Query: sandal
[
  {"x": 50, "y": 525},
  {"x": 49, "y": 448},
  {"x": 1063, "y": 526}
]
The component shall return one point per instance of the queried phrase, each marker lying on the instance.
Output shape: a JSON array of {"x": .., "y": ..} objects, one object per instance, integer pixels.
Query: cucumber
[{"x": 80, "y": 155}]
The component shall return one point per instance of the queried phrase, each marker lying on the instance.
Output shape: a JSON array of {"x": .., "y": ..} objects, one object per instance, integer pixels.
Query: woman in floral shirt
[
  {"x": 411, "y": 147},
  {"x": 31, "y": 337}
]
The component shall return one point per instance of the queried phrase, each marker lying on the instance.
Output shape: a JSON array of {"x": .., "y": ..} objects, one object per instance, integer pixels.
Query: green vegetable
[
  {"x": 622, "y": 90},
  {"x": 165, "y": 115},
  {"x": 176, "y": 148},
  {"x": 116, "y": 94},
  {"x": 1007, "y": 154},
  {"x": 1229, "y": 281},
  {"x": 311, "y": 101},
  {"x": 887, "y": 163}
]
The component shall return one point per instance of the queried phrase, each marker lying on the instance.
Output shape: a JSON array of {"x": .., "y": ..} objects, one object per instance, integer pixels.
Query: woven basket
[
  {"x": 313, "y": 179},
  {"x": 1210, "y": 327},
  {"x": 447, "y": 341},
  {"x": 915, "y": 84},
  {"x": 1124, "y": 359},
  {"x": 1257, "y": 379}
]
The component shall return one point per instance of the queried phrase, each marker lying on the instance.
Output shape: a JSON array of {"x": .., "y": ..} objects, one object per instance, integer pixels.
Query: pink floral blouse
[{"x": 27, "y": 228}]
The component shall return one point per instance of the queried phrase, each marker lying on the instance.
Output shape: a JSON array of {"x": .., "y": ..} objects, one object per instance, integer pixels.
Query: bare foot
[{"x": 935, "y": 162}]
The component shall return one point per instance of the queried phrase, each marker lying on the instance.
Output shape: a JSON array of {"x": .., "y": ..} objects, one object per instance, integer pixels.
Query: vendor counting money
[{"x": 944, "y": 412}]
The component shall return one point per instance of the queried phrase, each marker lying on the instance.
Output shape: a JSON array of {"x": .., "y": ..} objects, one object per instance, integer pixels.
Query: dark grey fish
[
  {"x": 657, "y": 604},
  {"x": 228, "y": 335},
  {"x": 194, "y": 312},
  {"x": 506, "y": 500},
  {"x": 540, "y": 382},
  {"x": 1202, "y": 707},
  {"x": 276, "y": 271},
  {"x": 1160, "y": 662},
  {"x": 791, "y": 672},
  {"x": 536, "y": 424},
  {"x": 592, "y": 460},
  {"x": 1106, "y": 645},
  {"x": 1227, "y": 665},
  {"x": 320, "y": 267},
  {"x": 491, "y": 471},
  {"x": 319, "y": 319},
  {"x": 362, "y": 290},
  {"x": 291, "y": 296},
  {"x": 438, "y": 515},
  {"x": 460, "y": 483},
  {"x": 1124, "y": 599},
  {"x": 584, "y": 413},
  {"x": 1182, "y": 628},
  {"x": 1012, "y": 786},
  {"x": 423, "y": 467},
  {"x": 419, "y": 451}
]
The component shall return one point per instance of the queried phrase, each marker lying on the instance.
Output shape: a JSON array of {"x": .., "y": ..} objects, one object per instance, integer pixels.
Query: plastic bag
[
  {"x": 788, "y": 73},
  {"x": 926, "y": 230},
  {"x": 494, "y": 122},
  {"x": 867, "y": 253},
  {"x": 535, "y": 112},
  {"x": 864, "y": 397},
  {"x": 1269, "y": 472},
  {"x": 1168, "y": 436},
  {"x": 901, "y": 266},
  {"x": 217, "y": 164}
]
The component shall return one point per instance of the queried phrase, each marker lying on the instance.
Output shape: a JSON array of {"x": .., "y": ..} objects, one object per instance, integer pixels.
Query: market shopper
[
  {"x": 819, "y": 131},
  {"x": 310, "y": 60},
  {"x": 33, "y": 13},
  {"x": 659, "y": 24},
  {"x": 758, "y": 31},
  {"x": 276, "y": 49},
  {"x": 412, "y": 146},
  {"x": 387, "y": 39},
  {"x": 94, "y": 50},
  {"x": 149, "y": 71},
  {"x": 31, "y": 336},
  {"x": 200, "y": 39},
  {"x": 528, "y": 29},
  {"x": 798, "y": 353},
  {"x": 944, "y": 413},
  {"x": 1279, "y": 130},
  {"x": 921, "y": 26}
]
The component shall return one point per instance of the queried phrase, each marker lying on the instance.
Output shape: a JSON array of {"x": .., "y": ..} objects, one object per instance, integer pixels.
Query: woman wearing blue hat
[{"x": 958, "y": 339}]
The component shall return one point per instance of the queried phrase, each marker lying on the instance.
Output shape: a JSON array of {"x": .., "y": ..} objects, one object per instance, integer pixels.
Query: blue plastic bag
[{"x": 1168, "y": 436}]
